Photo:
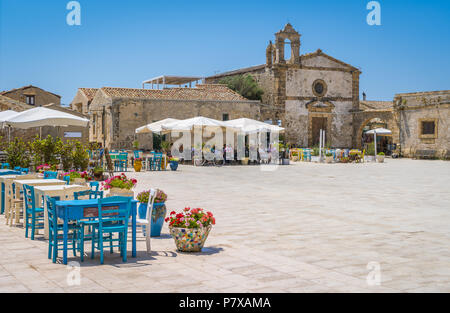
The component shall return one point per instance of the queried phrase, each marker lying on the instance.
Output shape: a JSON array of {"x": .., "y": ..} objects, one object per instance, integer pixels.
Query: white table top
[
  {"x": 58, "y": 187},
  {"x": 39, "y": 181}
]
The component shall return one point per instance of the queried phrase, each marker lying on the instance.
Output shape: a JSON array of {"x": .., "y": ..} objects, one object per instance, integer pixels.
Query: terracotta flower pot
[{"x": 190, "y": 240}]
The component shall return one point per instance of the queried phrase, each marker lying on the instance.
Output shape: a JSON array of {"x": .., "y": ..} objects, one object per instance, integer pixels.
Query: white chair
[{"x": 148, "y": 222}]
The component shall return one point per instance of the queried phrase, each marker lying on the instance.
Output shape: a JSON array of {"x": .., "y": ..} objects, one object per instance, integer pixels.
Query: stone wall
[
  {"x": 42, "y": 97},
  {"x": 426, "y": 106}
]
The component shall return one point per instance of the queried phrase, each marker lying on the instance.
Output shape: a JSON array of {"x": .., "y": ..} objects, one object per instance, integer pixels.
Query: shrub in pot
[
  {"x": 174, "y": 163},
  {"x": 120, "y": 186},
  {"x": 329, "y": 158},
  {"x": 380, "y": 157},
  {"x": 190, "y": 229},
  {"x": 159, "y": 210},
  {"x": 98, "y": 173}
]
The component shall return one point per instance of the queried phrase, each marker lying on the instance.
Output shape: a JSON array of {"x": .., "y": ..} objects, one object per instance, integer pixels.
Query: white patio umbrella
[
  {"x": 40, "y": 116},
  {"x": 247, "y": 126},
  {"x": 155, "y": 127},
  {"x": 4, "y": 115},
  {"x": 189, "y": 124},
  {"x": 381, "y": 132}
]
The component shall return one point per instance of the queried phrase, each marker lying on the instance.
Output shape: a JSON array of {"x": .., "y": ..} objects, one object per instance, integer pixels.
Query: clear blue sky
[{"x": 122, "y": 43}]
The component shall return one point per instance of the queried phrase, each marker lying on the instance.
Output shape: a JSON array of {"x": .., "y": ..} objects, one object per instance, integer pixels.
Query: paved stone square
[{"x": 302, "y": 228}]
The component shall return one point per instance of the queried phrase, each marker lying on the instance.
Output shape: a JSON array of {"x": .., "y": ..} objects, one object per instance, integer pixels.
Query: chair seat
[
  {"x": 37, "y": 210},
  {"x": 141, "y": 221},
  {"x": 113, "y": 229}
]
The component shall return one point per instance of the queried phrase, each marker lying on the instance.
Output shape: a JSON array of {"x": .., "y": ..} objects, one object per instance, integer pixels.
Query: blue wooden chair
[
  {"x": 55, "y": 239},
  {"x": 25, "y": 170},
  {"x": 67, "y": 179},
  {"x": 112, "y": 220},
  {"x": 33, "y": 214},
  {"x": 5, "y": 166},
  {"x": 95, "y": 185},
  {"x": 156, "y": 162},
  {"x": 88, "y": 193},
  {"x": 50, "y": 175},
  {"x": 18, "y": 168},
  {"x": 121, "y": 163}
]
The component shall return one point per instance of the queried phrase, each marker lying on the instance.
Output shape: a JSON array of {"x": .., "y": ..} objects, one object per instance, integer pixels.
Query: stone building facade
[
  {"x": 306, "y": 93},
  {"x": 424, "y": 120},
  {"x": 117, "y": 112},
  {"x": 32, "y": 95}
]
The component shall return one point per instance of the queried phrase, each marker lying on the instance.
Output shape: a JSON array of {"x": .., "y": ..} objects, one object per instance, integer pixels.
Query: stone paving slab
[{"x": 302, "y": 228}]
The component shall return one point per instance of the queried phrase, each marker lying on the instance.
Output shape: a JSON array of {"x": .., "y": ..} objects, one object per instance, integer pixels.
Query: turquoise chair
[
  {"x": 25, "y": 170},
  {"x": 95, "y": 185},
  {"x": 67, "y": 180},
  {"x": 33, "y": 215},
  {"x": 17, "y": 168},
  {"x": 88, "y": 193},
  {"x": 112, "y": 220},
  {"x": 121, "y": 163},
  {"x": 5, "y": 166},
  {"x": 50, "y": 175},
  {"x": 55, "y": 230},
  {"x": 156, "y": 162}
]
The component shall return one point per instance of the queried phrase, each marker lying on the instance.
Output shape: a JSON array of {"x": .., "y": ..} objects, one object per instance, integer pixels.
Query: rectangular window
[
  {"x": 30, "y": 100},
  {"x": 428, "y": 128},
  {"x": 225, "y": 117}
]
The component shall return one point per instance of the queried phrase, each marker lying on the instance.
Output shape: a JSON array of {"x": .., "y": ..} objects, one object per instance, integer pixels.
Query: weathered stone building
[
  {"x": 32, "y": 95},
  {"x": 117, "y": 112},
  {"x": 307, "y": 92},
  {"x": 423, "y": 119}
]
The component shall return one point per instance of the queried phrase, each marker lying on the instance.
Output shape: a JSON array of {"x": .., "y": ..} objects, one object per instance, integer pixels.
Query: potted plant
[
  {"x": 159, "y": 210},
  {"x": 137, "y": 164},
  {"x": 98, "y": 173},
  {"x": 136, "y": 145},
  {"x": 120, "y": 186},
  {"x": 329, "y": 158},
  {"x": 244, "y": 161},
  {"x": 370, "y": 152},
  {"x": 380, "y": 157},
  {"x": 174, "y": 163},
  {"x": 190, "y": 229}
]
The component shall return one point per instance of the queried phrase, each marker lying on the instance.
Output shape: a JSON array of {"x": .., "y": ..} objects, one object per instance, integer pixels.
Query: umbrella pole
[
  {"x": 9, "y": 134},
  {"x": 375, "y": 141}
]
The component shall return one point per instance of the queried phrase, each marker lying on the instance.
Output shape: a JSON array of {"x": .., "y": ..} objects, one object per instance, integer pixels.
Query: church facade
[{"x": 306, "y": 93}]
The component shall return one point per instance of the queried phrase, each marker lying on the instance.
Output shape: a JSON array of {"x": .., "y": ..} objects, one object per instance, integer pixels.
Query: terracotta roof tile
[
  {"x": 89, "y": 92},
  {"x": 201, "y": 92}
]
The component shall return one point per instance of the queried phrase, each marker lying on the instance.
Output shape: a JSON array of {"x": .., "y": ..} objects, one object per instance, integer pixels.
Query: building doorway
[{"x": 318, "y": 123}]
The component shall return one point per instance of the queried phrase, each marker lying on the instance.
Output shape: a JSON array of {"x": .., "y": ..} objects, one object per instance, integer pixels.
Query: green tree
[
  {"x": 17, "y": 154},
  {"x": 80, "y": 156},
  {"x": 65, "y": 152},
  {"x": 245, "y": 85}
]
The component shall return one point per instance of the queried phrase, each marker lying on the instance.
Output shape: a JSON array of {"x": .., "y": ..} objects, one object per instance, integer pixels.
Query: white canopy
[
  {"x": 189, "y": 124},
  {"x": 4, "y": 115},
  {"x": 247, "y": 125},
  {"x": 155, "y": 127},
  {"x": 379, "y": 131},
  {"x": 40, "y": 116}
]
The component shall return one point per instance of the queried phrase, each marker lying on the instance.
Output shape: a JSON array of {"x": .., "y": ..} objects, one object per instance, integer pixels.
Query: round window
[{"x": 319, "y": 88}]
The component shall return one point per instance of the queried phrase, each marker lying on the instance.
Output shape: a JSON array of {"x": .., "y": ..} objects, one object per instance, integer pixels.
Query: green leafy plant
[
  {"x": 144, "y": 196},
  {"x": 245, "y": 85},
  {"x": 165, "y": 146},
  {"x": 370, "y": 149},
  {"x": 17, "y": 154},
  {"x": 65, "y": 152},
  {"x": 329, "y": 155},
  {"x": 191, "y": 218},
  {"x": 381, "y": 154},
  {"x": 120, "y": 181},
  {"x": 136, "y": 145},
  {"x": 80, "y": 156}
]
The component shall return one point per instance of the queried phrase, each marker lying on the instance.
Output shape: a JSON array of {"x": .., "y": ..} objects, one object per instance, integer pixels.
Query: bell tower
[{"x": 288, "y": 33}]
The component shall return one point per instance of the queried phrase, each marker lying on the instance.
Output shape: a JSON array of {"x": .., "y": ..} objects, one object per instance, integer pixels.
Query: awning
[
  {"x": 39, "y": 117},
  {"x": 247, "y": 126},
  {"x": 380, "y": 132},
  {"x": 155, "y": 127}
]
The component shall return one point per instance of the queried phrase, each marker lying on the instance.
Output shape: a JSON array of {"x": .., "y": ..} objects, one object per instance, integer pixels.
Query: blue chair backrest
[
  {"x": 5, "y": 166},
  {"x": 51, "y": 210},
  {"x": 136, "y": 154},
  {"x": 67, "y": 179},
  {"x": 50, "y": 175},
  {"x": 95, "y": 185},
  {"x": 92, "y": 194},
  {"x": 123, "y": 156},
  {"x": 28, "y": 194},
  {"x": 25, "y": 170},
  {"x": 114, "y": 209},
  {"x": 18, "y": 168}
]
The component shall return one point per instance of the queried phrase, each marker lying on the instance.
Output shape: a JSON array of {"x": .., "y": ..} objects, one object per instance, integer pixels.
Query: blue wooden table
[{"x": 81, "y": 209}]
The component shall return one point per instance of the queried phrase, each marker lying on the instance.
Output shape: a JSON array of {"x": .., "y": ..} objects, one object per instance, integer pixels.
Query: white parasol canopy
[
  {"x": 155, "y": 127},
  {"x": 380, "y": 131},
  {"x": 247, "y": 126},
  {"x": 189, "y": 124},
  {"x": 40, "y": 116},
  {"x": 4, "y": 115}
]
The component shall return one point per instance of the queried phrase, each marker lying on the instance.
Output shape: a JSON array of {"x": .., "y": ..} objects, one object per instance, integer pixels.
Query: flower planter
[
  {"x": 244, "y": 161},
  {"x": 370, "y": 158},
  {"x": 118, "y": 192},
  {"x": 190, "y": 239},
  {"x": 285, "y": 162},
  {"x": 173, "y": 165},
  {"x": 315, "y": 159},
  {"x": 137, "y": 166},
  {"x": 78, "y": 181},
  {"x": 158, "y": 216},
  {"x": 380, "y": 158},
  {"x": 98, "y": 176},
  {"x": 329, "y": 160}
]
